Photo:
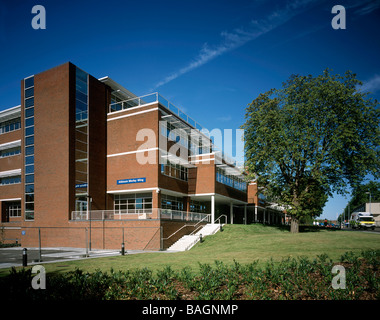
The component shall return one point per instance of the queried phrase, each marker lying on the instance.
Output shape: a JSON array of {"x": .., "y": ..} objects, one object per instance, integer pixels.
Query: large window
[
  {"x": 171, "y": 202},
  {"x": 10, "y": 180},
  {"x": 198, "y": 206},
  {"x": 133, "y": 202},
  {"x": 10, "y": 125},
  {"x": 174, "y": 171},
  {"x": 14, "y": 209},
  {"x": 10, "y": 152},
  {"x": 81, "y": 137},
  {"x": 29, "y": 147},
  {"x": 230, "y": 180}
]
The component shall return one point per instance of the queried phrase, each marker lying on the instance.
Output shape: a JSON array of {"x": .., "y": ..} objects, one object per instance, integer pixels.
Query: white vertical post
[
  {"x": 231, "y": 213},
  {"x": 245, "y": 214},
  {"x": 212, "y": 209},
  {"x": 255, "y": 213}
]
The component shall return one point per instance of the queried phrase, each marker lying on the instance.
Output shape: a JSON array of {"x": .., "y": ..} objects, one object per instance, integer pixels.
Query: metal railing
[
  {"x": 151, "y": 98},
  {"x": 204, "y": 219},
  {"x": 113, "y": 214},
  {"x": 222, "y": 216},
  {"x": 168, "y": 214},
  {"x": 156, "y": 97},
  {"x": 131, "y": 214}
]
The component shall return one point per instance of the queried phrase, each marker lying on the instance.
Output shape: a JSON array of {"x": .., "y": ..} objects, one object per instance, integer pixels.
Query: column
[
  {"x": 255, "y": 213},
  {"x": 231, "y": 213},
  {"x": 212, "y": 209}
]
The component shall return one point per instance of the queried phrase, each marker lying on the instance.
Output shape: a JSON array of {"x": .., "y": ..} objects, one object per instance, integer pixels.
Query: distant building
[{"x": 373, "y": 207}]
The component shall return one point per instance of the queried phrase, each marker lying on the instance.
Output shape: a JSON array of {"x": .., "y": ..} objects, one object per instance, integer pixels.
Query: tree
[{"x": 314, "y": 136}]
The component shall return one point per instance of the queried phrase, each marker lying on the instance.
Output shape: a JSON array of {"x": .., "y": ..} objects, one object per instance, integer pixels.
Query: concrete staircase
[{"x": 188, "y": 241}]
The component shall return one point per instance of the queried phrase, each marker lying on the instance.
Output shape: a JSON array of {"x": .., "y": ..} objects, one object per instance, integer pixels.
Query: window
[
  {"x": 175, "y": 171},
  {"x": 10, "y": 125},
  {"x": 81, "y": 134},
  {"x": 14, "y": 209},
  {"x": 29, "y": 147},
  {"x": 133, "y": 202},
  {"x": 230, "y": 180},
  {"x": 10, "y": 152},
  {"x": 198, "y": 206},
  {"x": 171, "y": 202},
  {"x": 10, "y": 180}
]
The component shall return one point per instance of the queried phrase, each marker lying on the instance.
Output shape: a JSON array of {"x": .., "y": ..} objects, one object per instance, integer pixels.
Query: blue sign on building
[
  {"x": 132, "y": 180},
  {"x": 81, "y": 185}
]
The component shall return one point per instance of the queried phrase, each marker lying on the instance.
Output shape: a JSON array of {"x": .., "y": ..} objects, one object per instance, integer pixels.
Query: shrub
[{"x": 290, "y": 278}]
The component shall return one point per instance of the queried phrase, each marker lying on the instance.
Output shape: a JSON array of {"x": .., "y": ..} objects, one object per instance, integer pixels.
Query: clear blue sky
[{"x": 210, "y": 58}]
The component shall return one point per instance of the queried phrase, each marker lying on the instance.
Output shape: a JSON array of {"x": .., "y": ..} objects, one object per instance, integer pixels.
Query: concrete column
[
  {"x": 212, "y": 209},
  {"x": 255, "y": 213},
  {"x": 245, "y": 214},
  {"x": 231, "y": 213}
]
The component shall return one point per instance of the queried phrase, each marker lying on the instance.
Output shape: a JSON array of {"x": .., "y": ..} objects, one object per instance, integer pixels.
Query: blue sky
[{"x": 210, "y": 58}]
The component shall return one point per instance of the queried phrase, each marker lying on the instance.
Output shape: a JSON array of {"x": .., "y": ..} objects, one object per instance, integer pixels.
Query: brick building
[{"x": 85, "y": 161}]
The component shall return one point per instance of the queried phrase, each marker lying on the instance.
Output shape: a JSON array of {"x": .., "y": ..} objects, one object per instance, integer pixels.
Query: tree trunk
[{"x": 294, "y": 225}]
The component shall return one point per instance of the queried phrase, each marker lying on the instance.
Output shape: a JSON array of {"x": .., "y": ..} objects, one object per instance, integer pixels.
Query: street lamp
[{"x": 370, "y": 200}]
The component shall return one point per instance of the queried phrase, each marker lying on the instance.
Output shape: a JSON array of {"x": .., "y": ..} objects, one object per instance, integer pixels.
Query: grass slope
[{"x": 243, "y": 243}]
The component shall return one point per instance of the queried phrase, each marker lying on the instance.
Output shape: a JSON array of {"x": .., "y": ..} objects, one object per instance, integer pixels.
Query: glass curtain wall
[
  {"x": 29, "y": 147},
  {"x": 81, "y": 140}
]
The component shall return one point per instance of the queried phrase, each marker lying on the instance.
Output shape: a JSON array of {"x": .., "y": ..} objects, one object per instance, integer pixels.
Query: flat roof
[
  {"x": 10, "y": 113},
  {"x": 117, "y": 88}
]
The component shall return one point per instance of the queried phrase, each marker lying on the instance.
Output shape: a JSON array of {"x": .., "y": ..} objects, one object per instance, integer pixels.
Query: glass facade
[
  {"x": 171, "y": 202},
  {"x": 133, "y": 202},
  {"x": 230, "y": 180},
  {"x": 81, "y": 140},
  {"x": 29, "y": 147}
]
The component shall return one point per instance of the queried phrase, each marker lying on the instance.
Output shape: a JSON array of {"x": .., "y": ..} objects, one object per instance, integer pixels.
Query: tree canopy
[{"x": 314, "y": 136}]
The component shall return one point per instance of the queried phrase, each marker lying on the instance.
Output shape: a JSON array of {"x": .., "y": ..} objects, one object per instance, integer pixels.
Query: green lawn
[{"x": 242, "y": 243}]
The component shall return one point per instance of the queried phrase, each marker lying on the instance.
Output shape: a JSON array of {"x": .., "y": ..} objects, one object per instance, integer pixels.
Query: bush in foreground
[{"x": 289, "y": 279}]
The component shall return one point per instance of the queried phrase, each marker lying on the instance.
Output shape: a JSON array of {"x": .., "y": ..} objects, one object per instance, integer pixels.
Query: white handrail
[{"x": 225, "y": 219}]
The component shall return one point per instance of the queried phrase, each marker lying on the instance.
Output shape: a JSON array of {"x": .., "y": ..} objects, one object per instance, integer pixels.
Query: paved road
[
  {"x": 13, "y": 256},
  {"x": 377, "y": 230}
]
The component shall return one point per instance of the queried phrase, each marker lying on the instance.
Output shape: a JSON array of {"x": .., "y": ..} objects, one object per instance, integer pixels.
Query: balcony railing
[
  {"x": 156, "y": 97},
  {"x": 155, "y": 213},
  {"x": 151, "y": 98}
]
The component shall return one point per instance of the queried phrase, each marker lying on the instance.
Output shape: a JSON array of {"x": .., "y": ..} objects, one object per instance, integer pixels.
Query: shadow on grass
[{"x": 305, "y": 228}]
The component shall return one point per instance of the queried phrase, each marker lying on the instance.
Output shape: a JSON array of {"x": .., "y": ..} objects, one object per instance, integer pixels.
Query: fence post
[
  {"x": 39, "y": 243},
  {"x": 24, "y": 257},
  {"x": 162, "y": 239},
  {"x": 122, "y": 245},
  {"x": 86, "y": 232}
]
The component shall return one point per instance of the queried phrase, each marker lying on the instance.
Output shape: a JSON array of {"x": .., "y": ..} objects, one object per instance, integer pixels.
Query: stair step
[{"x": 188, "y": 241}]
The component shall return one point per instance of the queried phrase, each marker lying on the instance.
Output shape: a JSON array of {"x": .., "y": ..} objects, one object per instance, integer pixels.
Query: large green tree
[{"x": 314, "y": 136}]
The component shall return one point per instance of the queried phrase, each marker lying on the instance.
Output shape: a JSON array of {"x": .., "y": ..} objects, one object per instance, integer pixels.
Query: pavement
[{"x": 13, "y": 257}]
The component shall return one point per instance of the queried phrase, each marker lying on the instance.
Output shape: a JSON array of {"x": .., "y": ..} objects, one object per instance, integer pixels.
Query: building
[{"x": 85, "y": 162}]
